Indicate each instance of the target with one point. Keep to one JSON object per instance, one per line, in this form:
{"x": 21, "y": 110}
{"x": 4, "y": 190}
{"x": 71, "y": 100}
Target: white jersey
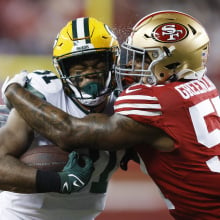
{"x": 83, "y": 205}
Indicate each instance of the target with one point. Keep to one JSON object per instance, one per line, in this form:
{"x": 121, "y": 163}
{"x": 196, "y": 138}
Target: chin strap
{"x": 191, "y": 76}
{"x": 196, "y": 75}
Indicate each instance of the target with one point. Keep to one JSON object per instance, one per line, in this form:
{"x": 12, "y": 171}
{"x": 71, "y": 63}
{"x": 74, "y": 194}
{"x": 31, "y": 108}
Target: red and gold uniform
{"x": 187, "y": 110}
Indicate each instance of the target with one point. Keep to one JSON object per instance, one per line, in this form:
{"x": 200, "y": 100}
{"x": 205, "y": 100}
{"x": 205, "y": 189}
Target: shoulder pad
{"x": 44, "y": 81}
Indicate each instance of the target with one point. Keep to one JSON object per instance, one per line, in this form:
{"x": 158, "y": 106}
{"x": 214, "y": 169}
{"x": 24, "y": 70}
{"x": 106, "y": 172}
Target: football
{"x": 46, "y": 157}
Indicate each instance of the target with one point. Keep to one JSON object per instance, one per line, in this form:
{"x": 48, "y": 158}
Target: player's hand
{"x": 19, "y": 78}
{"x": 76, "y": 174}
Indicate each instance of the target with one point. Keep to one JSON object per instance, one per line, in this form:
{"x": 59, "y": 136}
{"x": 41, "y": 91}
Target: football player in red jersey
{"x": 167, "y": 52}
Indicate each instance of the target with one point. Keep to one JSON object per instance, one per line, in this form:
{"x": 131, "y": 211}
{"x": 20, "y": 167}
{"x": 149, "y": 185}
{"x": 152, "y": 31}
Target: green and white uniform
{"x": 83, "y": 205}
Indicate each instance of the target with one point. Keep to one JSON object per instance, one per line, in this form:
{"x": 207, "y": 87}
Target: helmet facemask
{"x": 136, "y": 65}
{"x": 99, "y": 83}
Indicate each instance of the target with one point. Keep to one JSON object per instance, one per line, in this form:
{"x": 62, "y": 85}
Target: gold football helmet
{"x": 80, "y": 38}
{"x": 163, "y": 46}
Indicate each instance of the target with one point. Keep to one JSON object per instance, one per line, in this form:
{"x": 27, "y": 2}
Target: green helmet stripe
{"x": 74, "y": 30}
{"x": 86, "y": 29}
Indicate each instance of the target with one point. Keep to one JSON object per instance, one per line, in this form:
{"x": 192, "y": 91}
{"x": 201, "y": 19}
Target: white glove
{"x": 20, "y": 78}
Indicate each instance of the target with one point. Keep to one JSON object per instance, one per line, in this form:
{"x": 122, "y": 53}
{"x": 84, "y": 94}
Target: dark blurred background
{"x": 30, "y": 26}
{"x": 28, "y": 29}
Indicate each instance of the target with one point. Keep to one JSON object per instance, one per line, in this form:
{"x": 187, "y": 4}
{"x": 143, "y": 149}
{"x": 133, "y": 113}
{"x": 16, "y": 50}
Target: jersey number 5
{"x": 208, "y": 138}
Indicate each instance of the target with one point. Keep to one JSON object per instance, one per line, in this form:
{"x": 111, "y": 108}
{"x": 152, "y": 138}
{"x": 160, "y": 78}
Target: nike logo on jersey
{"x": 129, "y": 90}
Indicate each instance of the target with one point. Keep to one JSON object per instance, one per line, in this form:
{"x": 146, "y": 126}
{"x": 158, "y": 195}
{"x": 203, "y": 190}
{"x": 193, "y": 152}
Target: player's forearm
{"x": 94, "y": 131}
{"x": 62, "y": 129}
{"x": 15, "y": 176}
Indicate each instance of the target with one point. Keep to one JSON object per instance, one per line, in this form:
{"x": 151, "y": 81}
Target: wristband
{"x": 47, "y": 181}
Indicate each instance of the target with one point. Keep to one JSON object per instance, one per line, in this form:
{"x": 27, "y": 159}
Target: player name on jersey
{"x": 195, "y": 87}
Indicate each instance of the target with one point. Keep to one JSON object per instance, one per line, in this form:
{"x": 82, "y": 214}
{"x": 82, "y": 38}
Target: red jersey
{"x": 188, "y": 111}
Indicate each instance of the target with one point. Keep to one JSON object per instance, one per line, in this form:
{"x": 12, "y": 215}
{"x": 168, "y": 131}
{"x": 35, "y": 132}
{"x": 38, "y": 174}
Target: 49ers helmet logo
{"x": 170, "y": 32}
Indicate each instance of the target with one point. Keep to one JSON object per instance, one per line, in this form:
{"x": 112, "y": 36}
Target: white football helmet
{"x": 162, "y": 47}
{"x": 80, "y": 38}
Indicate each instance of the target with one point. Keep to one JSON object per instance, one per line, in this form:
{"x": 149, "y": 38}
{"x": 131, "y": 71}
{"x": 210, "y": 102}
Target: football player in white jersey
{"x": 84, "y": 54}
{"x": 166, "y": 55}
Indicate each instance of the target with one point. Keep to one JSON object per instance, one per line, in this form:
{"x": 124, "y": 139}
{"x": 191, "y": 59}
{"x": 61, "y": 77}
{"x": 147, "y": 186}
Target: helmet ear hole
{"x": 162, "y": 75}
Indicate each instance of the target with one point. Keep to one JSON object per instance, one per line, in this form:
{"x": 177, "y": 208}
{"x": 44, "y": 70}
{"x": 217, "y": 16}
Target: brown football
{"x": 46, "y": 157}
